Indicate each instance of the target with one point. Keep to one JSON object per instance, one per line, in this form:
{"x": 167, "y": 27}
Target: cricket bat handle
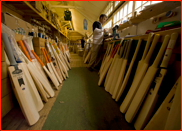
{"x": 44, "y": 55}
{"x": 28, "y": 50}
{"x": 24, "y": 50}
{"x": 8, "y": 49}
{"x": 38, "y": 58}
{"x": 169, "y": 50}
{"x": 147, "y": 45}
{"x": 151, "y": 50}
{"x": 56, "y": 48}
{"x": 161, "y": 51}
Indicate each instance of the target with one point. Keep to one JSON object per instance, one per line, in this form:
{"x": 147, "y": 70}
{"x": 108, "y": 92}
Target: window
{"x": 109, "y": 8}
{"x": 108, "y": 25}
{"x": 140, "y": 5}
{"x": 155, "y": 2}
{"x": 116, "y": 3}
{"x": 126, "y": 10}
{"x": 130, "y": 7}
{"x": 123, "y": 13}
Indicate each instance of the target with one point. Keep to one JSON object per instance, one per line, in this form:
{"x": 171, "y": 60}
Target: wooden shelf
{"x": 29, "y": 10}
{"x": 151, "y": 12}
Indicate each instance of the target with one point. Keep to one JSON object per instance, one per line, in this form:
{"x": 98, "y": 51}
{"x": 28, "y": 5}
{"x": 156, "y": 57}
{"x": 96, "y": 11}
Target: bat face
{"x": 22, "y": 94}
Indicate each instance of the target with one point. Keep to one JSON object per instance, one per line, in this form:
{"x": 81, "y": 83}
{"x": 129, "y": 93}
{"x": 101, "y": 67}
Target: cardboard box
{"x": 2, "y": 52}
{"x": 38, "y": 6}
{"x": 10, "y": 21}
{"x": 18, "y": 37}
{"x": 4, "y": 70}
{"x": 14, "y": 22}
{"x": 6, "y": 104}
{"x": 5, "y": 87}
{"x": 38, "y": 50}
{"x": 42, "y": 58}
{"x": 38, "y": 42}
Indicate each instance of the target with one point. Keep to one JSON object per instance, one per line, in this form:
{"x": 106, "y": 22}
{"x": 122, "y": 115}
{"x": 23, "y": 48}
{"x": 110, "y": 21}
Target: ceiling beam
{"x": 63, "y": 6}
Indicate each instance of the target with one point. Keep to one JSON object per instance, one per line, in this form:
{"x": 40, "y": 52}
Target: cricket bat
{"x": 60, "y": 53}
{"x": 117, "y": 69}
{"x": 23, "y": 58}
{"x": 103, "y": 73}
{"x": 33, "y": 90}
{"x": 136, "y": 82}
{"x": 36, "y": 73}
{"x": 174, "y": 118}
{"x": 29, "y": 47}
{"x": 65, "y": 59}
{"x": 21, "y": 89}
{"x": 125, "y": 81}
{"x": 107, "y": 55}
{"x": 113, "y": 63}
{"x": 109, "y": 81}
{"x": 145, "y": 84}
{"x": 12, "y": 39}
{"x": 122, "y": 72}
{"x": 53, "y": 68}
{"x": 58, "y": 61}
{"x": 159, "y": 119}
{"x": 53, "y": 59}
{"x": 61, "y": 57}
{"x": 150, "y": 36}
{"x": 87, "y": 57}
{"x": 50, "y": 70}
{"x": 56, "y": 84}
{"x": 152, "y": 97}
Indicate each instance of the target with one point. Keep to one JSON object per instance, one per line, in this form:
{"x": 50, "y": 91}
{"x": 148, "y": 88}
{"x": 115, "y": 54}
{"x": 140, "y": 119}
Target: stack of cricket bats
{"x": 142, "y": 96}
{"x": 29, "y": 75}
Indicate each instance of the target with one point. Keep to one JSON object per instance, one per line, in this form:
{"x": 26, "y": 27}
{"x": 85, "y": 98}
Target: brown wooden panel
{"x": 5, "y": 87}
{"x": 4, "y": 70}
{"x": 6, "y": 104}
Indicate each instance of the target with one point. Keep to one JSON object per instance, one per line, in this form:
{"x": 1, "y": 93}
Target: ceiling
{"x": 80, "y": 10}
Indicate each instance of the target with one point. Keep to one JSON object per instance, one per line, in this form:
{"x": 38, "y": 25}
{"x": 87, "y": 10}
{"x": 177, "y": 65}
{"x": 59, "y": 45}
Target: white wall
{"x": 142, "y": 27}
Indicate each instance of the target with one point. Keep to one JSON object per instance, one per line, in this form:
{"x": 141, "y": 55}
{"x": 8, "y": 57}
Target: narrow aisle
{"x": 82, "y": 105}
{"x": 76, "y": 60}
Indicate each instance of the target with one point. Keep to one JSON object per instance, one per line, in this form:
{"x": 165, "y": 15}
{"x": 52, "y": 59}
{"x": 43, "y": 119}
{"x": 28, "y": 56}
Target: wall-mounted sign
{"x": 85, "y": 24}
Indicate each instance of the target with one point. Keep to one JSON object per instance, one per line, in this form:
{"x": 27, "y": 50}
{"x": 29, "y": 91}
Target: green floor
{"x": 83, "y": 105}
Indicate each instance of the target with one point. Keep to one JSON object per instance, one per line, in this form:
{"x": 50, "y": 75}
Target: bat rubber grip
{"x": 47, "y": 55}
{"x": 37, "y": 58}
{"x": 44, "y": 55}
{"x": 8, "y": 49}
{"x": 62, "y": 48}
{"x": 28, "y": 50}
{"x": 55, "y": 47}
{"x": 150, "y": 36}
{"x": 24, "y": 50}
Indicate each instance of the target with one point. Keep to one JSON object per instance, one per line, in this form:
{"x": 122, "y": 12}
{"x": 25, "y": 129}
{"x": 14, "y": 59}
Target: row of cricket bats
{"x": 29, "y": 76}
{"x": 142, "y": 95}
